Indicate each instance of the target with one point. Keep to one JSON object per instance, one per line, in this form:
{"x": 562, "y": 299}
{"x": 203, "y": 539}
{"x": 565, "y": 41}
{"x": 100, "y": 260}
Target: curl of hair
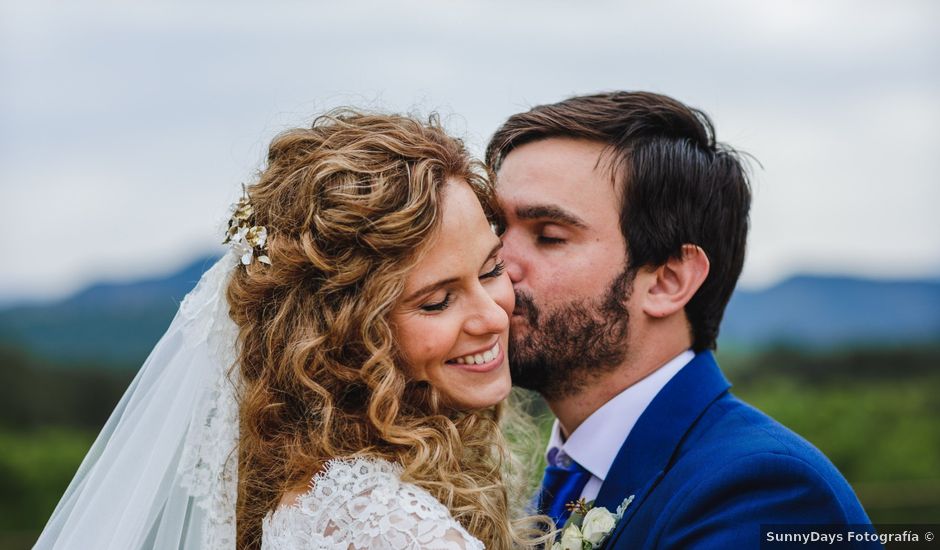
{"x": 350, "y": 204}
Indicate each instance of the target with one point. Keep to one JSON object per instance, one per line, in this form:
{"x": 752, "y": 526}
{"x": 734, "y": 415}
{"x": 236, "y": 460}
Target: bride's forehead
{"x": 461, "y": 211}
{"x": 462, "y": 242}
{"x": 456, "y": 245}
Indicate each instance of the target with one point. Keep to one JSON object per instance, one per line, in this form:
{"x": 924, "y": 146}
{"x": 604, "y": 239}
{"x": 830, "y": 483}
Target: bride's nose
{"x": 485, "y": 315}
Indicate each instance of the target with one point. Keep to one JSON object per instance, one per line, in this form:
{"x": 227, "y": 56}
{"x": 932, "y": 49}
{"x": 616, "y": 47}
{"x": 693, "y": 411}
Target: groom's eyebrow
{"x": 550, "y": 213}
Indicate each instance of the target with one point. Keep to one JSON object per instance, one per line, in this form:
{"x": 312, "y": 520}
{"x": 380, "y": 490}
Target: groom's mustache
{"x": 525, "y": 306}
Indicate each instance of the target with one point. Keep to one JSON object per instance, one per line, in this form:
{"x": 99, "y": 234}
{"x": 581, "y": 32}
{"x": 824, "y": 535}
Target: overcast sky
{"x": 126, "y": 131}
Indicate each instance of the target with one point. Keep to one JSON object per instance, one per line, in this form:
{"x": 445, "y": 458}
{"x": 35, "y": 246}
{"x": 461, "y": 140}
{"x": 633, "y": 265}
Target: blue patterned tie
{"x": 560, "y": 485}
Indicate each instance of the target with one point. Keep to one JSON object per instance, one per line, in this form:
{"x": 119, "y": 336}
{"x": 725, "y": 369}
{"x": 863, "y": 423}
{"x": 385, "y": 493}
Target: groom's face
{"x": 566, "y": 258}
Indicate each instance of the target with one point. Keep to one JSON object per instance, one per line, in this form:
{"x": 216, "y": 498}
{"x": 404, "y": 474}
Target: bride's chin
{"x": 470, "y": 398}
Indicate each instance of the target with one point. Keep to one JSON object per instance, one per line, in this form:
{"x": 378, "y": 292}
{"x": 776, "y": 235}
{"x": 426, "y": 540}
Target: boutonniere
{"x": 588, "y": 527}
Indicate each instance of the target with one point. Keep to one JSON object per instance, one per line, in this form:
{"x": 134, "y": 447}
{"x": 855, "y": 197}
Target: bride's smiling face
{"x": 452, "y": 322}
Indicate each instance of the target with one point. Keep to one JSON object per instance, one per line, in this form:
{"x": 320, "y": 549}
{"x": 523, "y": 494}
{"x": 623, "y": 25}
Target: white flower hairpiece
{"x": 247, "y": 239}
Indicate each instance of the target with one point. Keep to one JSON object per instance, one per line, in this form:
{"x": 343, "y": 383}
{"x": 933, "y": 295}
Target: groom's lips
{"x": 525, "y": 308}
{"x": 526, "y": 315}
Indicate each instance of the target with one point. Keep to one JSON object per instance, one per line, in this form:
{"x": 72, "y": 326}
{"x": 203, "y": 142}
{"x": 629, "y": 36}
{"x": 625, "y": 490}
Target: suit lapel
{"x": 648, "y": 450}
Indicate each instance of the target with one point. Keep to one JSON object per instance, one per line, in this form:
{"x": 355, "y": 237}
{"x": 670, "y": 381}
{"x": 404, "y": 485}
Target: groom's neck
{"x": 572, "y": 410}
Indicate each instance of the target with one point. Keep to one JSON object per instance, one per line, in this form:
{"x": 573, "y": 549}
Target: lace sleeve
{"x": 363, "y": 504}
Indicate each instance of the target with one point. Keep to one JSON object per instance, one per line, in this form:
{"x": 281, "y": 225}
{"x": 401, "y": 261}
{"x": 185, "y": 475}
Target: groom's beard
{"x": 564, "y": 350}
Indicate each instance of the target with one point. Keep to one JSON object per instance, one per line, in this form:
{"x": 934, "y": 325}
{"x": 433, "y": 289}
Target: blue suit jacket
{"x": 706, "y": 470}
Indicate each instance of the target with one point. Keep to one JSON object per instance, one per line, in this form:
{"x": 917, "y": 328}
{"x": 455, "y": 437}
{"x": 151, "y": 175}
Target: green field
{"x": 873, "y": 412}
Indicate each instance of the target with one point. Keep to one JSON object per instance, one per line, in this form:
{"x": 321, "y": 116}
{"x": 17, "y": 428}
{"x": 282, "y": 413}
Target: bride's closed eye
{"x": 441, "y": 305}
{"x": 496, "y": 271}
{"x": 438, "y": 306}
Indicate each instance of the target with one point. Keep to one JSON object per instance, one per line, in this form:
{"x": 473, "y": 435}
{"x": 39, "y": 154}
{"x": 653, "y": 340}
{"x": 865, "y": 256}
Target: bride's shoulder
{"x": 342, "y": 478}
{"x": 363, "y": 503}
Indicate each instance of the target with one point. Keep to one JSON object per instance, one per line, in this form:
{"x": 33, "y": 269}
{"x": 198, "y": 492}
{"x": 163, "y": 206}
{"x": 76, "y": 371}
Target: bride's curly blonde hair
{"x": 350, "y": 205}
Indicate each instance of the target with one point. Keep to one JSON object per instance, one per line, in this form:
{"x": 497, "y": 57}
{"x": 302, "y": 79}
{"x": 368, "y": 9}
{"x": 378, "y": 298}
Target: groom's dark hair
{"x": 679, "y": 185}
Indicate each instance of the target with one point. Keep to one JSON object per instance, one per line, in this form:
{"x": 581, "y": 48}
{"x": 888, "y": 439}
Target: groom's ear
{"x": 672, "y": 285}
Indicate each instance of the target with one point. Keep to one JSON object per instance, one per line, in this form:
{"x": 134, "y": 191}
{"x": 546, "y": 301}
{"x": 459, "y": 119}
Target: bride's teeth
{"x": 478, "y": 358}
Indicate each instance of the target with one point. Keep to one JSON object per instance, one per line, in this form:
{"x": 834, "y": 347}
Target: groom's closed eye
{"x": 551, "y": 234}
{"x": 543, "y": 239}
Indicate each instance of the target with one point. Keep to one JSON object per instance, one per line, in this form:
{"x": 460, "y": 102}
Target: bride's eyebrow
{"x": 428, "y": 288}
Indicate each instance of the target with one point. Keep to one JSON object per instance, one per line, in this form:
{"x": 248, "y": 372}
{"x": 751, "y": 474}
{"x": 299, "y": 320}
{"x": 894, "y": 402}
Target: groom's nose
{"x": 512, "y": 259}
{"x": 514, "y": 269}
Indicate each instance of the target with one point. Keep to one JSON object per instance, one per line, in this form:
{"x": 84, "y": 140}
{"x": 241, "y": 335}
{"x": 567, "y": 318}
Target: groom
{"x": 626, "y": 230}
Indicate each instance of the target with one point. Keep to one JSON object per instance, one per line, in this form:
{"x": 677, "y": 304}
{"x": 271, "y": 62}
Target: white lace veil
{"x": 162, "y": 473}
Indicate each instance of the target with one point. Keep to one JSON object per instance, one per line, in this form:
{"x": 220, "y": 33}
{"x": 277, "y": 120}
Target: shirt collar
{"x": 596, "y": 442}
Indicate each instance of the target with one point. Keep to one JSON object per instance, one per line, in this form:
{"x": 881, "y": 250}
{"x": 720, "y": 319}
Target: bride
{"x": 334, "y": 381}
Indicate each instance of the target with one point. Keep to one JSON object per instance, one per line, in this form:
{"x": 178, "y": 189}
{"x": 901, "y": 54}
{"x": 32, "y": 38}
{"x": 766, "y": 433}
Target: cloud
{"x": 127, "y": 129}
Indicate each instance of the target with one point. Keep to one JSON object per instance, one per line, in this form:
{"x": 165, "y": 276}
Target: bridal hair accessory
{"x": 247, "y": 239}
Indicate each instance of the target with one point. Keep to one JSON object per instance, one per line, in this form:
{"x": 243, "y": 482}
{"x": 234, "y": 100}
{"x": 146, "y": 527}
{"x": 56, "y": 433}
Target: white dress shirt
{"x": 596, "y": 442}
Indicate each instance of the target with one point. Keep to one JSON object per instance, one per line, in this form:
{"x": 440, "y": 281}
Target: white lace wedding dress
{"x": 363, "y": 504}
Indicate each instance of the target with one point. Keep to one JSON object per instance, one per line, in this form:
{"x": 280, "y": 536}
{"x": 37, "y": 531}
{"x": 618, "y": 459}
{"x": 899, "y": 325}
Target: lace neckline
{"x": 355, "y": 467}
{"x": 362, "y": 503}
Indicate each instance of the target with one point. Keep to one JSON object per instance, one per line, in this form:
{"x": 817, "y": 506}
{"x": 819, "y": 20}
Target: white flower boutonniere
{"x": 588, "y": 527}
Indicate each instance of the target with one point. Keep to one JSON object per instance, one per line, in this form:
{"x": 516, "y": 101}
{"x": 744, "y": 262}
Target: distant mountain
{"x": 116, "y": 324}
{"x": 142, "y": 294}
{"x": 828, "y": 311}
